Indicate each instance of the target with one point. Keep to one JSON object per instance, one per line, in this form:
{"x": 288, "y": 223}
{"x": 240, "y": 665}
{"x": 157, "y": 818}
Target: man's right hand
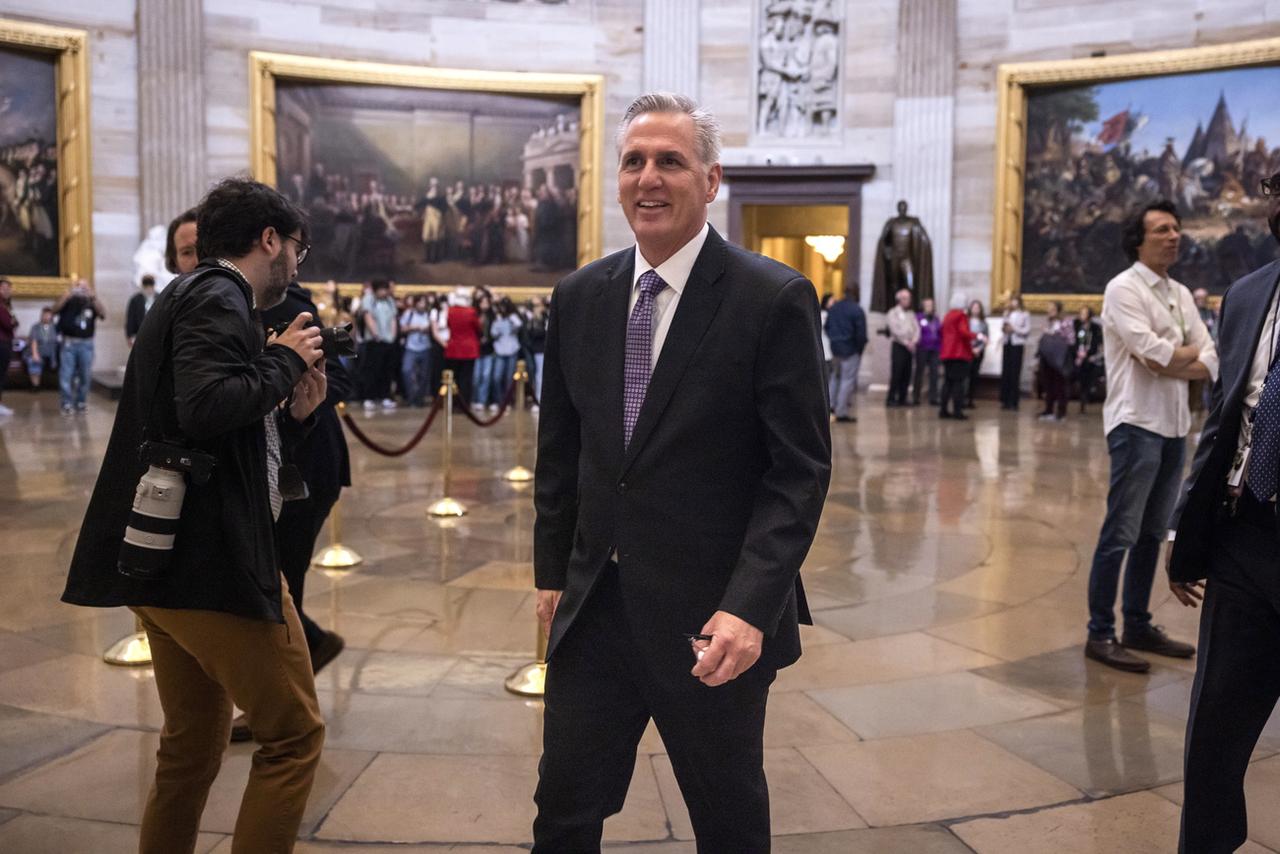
{"x": 547, "y": 602}
{"x": 301, "y": 339}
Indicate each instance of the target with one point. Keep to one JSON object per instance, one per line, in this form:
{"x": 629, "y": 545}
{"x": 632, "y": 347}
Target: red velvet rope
{"x": 395, "y": 452}
{"x": 487, "y": 422}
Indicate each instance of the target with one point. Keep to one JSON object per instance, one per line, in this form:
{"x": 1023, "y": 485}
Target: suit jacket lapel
{"x": 694, "y": 313}
{"x": 612, "y": 295}
{"x": 1257, "y": 306}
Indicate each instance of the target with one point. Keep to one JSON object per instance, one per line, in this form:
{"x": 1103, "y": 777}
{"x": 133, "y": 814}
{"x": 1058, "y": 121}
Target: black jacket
{"x": 134, "y": 314}
{"x": 715, "y": 502}
{"x": 322, "y": 456}
{"x": 216, "y": 385}
{"x": 1239, "y": 335}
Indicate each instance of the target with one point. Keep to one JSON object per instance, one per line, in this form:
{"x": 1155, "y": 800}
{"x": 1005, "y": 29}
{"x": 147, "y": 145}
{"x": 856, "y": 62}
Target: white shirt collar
{"x": 676, "y": 269}
{"x": 1148, "y": 275}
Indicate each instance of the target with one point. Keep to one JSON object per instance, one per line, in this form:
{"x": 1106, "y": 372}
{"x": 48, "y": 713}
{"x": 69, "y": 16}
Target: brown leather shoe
{"x": 1110, "y": 653}
{"x": 1154, "y": 640}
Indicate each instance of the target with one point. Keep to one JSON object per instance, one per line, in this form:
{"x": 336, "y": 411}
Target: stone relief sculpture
{"x": 798, "y": 69}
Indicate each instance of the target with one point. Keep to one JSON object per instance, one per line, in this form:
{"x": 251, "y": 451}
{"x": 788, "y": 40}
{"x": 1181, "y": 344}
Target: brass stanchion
{"x": 447, "y": 507}
{"x": 336, "y": 555}
{"x": 531, "y": 680}
{"x": 519, "y": 474}
{"x": 131, "y": 650}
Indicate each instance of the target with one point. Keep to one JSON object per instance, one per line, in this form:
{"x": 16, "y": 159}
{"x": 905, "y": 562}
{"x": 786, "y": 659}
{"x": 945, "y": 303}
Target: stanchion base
{"x": 336, "y": 556}
{"x": 528, "y": 681}
{"x": 131, "y": 651}
{"x": 519, "y": 474}
{"x": 447, "y": 508}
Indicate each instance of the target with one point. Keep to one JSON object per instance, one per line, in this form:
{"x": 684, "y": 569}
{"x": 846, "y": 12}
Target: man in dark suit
{"x": 1225, "y": 530}
{"x": 684, "y": 454}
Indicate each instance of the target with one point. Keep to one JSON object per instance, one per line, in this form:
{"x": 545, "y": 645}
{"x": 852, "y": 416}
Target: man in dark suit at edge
{"x": 684, "y": 454}
{"x": 1225, "y": 530}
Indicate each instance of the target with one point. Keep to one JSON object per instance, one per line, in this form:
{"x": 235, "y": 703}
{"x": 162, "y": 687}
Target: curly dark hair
{"x": 234, "y": 214}
{"x": 170, "y": 249}
{"x": 1135, "y": 227}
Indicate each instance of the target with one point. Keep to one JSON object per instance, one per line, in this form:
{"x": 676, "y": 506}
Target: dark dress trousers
{"x": 215, "y": 386}
{"x": 1236, "y": 546}
{"x": 323, "y": 461}
{"x": 712, "y": 506}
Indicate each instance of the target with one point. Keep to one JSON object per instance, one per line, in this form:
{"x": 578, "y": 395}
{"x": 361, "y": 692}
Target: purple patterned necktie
{"x": 639, "y": 361}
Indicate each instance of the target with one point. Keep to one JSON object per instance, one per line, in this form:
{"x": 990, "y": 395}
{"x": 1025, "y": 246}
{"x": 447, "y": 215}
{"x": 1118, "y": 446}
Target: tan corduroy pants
{"x": 205, "y": 661}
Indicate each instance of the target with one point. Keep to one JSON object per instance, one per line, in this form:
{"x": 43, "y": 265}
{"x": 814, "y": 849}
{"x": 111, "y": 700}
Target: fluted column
{"x": 924, "y": 124}
{"x": 671, "y": 38}
{"x": 171, "y": 138}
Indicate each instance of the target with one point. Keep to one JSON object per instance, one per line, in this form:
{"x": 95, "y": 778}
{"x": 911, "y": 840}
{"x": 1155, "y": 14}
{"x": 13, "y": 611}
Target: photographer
{"x": 78, "y": 312}
{"x": 221, "y": 623}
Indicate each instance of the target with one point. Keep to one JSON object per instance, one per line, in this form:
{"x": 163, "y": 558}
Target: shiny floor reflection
{"x": 942, "y": 704}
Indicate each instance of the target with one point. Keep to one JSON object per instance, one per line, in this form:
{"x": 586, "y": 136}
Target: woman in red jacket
{"x": 463, "y": 349}
{"x": 957, "y": 353}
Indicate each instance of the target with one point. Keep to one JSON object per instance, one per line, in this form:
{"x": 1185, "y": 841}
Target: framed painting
{"x": 45, "y": 205}
{"x": 1083, "y": 143}
{"x": 433, "y": 178}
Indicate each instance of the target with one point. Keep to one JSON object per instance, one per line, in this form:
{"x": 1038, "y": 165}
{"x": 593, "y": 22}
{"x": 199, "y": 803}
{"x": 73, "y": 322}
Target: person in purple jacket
{"x": 927, "y": 351}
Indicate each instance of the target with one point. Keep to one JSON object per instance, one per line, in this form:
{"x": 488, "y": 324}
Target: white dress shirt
{"x": 903, "y": 328}
{"x": 1147, "y": 316}
{"x": 675, "y": 272}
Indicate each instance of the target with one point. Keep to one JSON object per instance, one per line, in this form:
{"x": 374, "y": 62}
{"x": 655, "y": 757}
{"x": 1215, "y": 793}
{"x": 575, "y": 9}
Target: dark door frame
{"x": 802, "y": 185}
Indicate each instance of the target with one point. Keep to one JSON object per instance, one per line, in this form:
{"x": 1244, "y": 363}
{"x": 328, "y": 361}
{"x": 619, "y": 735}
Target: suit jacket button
{"x": 622, "y": 487}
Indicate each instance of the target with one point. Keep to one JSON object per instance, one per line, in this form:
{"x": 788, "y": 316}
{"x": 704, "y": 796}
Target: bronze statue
{"x": 904, "y": 259}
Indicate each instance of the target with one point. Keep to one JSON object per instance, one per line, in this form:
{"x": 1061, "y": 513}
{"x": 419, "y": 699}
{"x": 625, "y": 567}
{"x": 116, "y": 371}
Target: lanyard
{"x": 1173, "y": 301}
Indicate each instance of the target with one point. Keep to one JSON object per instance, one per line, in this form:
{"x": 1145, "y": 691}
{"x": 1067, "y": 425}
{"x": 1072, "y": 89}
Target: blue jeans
{"x": 504, "y": 367}
{"x": 537, "y": 376}
{"x": 482, "y": 380}
{"x": 75, "y": 370}
{"x": 1146, "y": 471}
{"x": 415, "y": 373}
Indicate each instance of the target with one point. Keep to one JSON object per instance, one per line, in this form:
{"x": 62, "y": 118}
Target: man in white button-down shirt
{"x": 1155, "y": 343}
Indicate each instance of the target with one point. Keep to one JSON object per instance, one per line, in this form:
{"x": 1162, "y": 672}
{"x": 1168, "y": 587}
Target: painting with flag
{"x": 1096, "y": 151}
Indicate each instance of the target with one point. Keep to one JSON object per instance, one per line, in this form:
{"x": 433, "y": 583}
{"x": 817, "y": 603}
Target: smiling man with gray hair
{"x": 684, "y": 454}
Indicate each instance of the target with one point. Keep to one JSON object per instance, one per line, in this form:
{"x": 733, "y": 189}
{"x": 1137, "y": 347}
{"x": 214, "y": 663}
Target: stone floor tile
{"x": 1174, "y": 701}
{"x": 877, "y": 660}
{"x": 46, "y": 834}
{"x": 799, "y": 798}
{"x": 948, "y": 701}
{"x": 84, "y": 687}
{"x": 108, "y": 780}
{"x": 1138, "y": 823}
{"x": 934, "y": 777}
{"x": 1101, "y": 750}
{"x": 383, "y": 723}
{"x": 1018, "y": 632}
{"x": 394, "y": 673}
{"x": 1013, "y": 581}
{"x": 1067, "y": 678}
{"x": 20, "y": 650}
{"x": 468, "y": 799}
{"x": 29, "y": 738}
{"x": 794, "y": 719}
{"x": 920, "y": 839}
{"x": 911, "y": 612}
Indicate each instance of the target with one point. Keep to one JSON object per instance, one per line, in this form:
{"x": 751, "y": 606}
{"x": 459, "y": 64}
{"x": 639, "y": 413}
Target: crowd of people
{"x": 406, "y": 342}
{"x": 59, "y": 344}
{"x": 356, "y": 231}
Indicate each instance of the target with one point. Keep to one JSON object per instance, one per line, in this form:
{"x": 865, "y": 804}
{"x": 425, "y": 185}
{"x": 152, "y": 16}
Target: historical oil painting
{"x": 28, "y": 163}
{"x": 1094, "y": 152}
{"x": 432, "y": 186}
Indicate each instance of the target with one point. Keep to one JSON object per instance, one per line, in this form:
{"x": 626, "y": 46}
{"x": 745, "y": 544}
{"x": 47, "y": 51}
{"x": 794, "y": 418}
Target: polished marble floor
{"x": 942, "y": 704}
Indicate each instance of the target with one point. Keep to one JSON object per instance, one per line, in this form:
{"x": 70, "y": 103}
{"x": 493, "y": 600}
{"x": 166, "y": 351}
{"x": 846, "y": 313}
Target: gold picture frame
{"x": 1016, "y": 80}
{"x": 265, "y": 68}
{"x": 75, "y": 208}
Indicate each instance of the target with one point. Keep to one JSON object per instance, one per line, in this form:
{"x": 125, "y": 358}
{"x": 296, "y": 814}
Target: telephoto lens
{"x": 153, "y": 524}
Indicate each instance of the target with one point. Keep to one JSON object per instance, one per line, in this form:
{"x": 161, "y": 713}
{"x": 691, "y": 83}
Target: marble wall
{"x": 607, "y": 37}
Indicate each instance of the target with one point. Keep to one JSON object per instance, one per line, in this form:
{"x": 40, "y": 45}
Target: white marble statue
{"x": 149, "y": 259}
